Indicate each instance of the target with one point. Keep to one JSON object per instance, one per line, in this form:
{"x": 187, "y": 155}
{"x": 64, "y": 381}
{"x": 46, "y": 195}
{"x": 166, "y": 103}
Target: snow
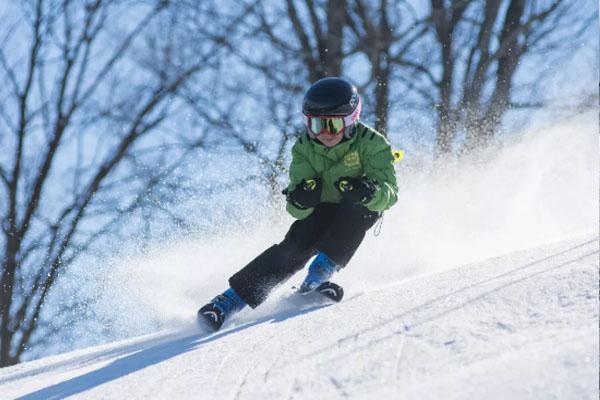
{"x": 483, "y": 284}
{"x": 522, "y": 325}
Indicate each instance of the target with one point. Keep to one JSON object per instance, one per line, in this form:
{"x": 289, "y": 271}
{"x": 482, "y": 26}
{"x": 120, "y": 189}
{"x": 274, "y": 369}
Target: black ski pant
{"x": 335, "y": 229}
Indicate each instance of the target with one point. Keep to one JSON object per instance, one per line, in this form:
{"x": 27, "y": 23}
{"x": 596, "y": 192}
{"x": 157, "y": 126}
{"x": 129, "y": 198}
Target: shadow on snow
{"x": 149, "y": 356}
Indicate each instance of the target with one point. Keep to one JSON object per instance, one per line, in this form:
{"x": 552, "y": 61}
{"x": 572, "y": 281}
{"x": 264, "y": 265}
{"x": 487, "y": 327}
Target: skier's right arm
{"x": 300, "y": 169}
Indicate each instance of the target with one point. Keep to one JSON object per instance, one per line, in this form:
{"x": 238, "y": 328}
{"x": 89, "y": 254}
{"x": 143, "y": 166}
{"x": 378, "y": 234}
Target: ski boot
{"x": 319, "y": 272}
{"x": 214, "y": 313}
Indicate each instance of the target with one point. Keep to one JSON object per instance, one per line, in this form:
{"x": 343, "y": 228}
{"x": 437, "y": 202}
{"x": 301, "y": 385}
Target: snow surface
{"x": 520, "y": 326}
{"x": 482, "y": 285}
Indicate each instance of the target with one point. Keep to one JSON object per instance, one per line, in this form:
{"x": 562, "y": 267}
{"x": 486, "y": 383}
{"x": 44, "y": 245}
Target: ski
{"x": 330, "y": 290}
{"x": 210, "y": 317}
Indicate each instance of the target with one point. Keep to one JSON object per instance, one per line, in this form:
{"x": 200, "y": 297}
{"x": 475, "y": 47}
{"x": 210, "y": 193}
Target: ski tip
{"x": 209, "y": 320}
{"x": 332, "y": 291}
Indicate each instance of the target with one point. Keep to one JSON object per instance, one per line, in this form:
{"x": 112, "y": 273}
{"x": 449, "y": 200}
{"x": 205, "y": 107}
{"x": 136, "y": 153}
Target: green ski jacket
{"x": 366, "y": 154}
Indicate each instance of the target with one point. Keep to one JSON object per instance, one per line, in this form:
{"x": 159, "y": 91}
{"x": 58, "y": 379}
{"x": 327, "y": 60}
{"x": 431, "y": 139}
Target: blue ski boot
{"x": 319, "y": 272}
{"x": 214, "y": 313}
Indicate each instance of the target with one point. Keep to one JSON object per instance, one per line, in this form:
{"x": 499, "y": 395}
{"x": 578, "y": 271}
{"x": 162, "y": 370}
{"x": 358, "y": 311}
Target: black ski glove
{"x": 306, "y": 194}
{"x": 355, "y": 190}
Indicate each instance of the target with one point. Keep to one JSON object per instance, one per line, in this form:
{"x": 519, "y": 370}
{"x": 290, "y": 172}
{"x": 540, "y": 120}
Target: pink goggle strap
{"x": 352, "y": 118}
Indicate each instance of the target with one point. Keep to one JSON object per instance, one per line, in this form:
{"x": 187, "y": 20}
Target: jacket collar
{"x": 335, "y": 152}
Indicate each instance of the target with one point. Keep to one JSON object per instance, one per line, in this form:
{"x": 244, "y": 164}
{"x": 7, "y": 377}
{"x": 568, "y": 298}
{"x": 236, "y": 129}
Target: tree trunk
{"x": 382, "y": 71}
{"x": 336, "y": 19}
{"x": 484, "y": 129}
{"x": 446, "y": 129}
{"x": 9, "y": 267}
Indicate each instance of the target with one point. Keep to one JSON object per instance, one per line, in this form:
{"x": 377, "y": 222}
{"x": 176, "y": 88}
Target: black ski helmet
{"x": 333, "y": 97}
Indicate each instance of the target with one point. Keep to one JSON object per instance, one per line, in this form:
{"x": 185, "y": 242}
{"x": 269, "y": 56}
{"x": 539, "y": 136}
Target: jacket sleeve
{"x": 378, "y": 165}
{"x": 300, "y": 169}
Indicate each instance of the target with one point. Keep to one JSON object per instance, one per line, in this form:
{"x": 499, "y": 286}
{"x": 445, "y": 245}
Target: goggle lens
{"x": 332, "y": 125}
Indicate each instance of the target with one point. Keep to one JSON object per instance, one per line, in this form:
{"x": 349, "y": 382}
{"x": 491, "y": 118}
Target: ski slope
{"x": 482, "y": 285}
{"x": 522, "y": 326}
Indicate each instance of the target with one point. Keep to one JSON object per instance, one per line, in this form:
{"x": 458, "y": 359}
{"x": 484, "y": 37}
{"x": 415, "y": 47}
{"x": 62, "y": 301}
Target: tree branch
{"x": 302, "y": 37}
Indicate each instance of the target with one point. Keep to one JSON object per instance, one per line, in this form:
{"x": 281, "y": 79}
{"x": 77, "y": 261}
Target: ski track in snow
{"x": 522, "y": 325}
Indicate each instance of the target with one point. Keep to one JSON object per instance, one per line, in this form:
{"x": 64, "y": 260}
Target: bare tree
{"x": 458, "y": 58}
{"x": 308, "y": 40}
{"x": 317, "y": 31}
{"x": 261, "y": 92}
{"x": 309, "y": 47}
{"x": 465, "y": 67}
{"x": 82, "y": 107}
{"x": 383, "y": 31}
{"x": 284, "y": 46}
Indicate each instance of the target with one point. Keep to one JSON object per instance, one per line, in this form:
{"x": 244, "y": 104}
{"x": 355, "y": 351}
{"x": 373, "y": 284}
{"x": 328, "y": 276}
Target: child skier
{"x": 341, "y": 180}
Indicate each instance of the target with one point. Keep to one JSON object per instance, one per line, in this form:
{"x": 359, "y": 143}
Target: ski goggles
{"x": 333, "y": 125}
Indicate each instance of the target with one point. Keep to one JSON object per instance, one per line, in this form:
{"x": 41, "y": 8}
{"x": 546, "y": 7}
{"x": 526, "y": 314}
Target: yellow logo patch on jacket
{"x": 352, "y": 160}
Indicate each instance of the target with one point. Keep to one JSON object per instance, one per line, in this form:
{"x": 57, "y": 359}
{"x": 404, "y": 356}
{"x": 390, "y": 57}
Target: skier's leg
{"x": 346, "y": 232}
{"x": 279, "y": 262}
{"x": 338, "y": 244}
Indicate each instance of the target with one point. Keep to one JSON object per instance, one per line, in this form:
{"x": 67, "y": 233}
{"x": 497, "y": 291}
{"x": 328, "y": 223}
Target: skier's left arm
{"x": 300, "y": 169}
{"x": 378, "y": 166}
